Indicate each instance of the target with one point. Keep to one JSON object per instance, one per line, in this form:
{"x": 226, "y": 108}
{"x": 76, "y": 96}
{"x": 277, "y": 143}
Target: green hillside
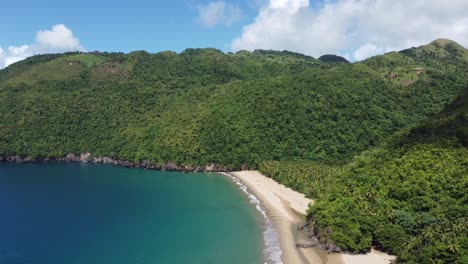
{"x": 407, "y": 197}
{"x": 203, "y": 106}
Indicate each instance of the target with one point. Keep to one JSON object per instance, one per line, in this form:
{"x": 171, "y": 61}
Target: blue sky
{"x": 120, "y": 26}
{"x": 356, "y": 29}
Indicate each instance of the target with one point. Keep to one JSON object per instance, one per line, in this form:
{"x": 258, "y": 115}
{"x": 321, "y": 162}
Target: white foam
{"x": 272, "y": 248}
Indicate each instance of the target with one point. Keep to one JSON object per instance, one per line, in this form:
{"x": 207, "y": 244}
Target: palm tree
{"x": 453, "y": 248}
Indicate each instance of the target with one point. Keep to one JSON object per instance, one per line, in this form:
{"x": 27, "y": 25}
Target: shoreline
{"x": 284, "y": 208}
{"x": 287, "y": 208}
{"x": 86, "y": 157}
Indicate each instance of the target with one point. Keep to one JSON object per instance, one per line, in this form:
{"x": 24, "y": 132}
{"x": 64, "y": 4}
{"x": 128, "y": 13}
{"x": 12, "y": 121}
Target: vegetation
{"x": 333, "y": 58}
{"x": 203, "y": 106}
{"x": 310, "y": 178}
{"x": 377, "y": 143}
{"x": 407, "y": 197}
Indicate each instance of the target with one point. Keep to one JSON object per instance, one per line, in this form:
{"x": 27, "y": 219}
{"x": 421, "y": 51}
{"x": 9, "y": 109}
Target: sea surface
{"x": 56, "y": 213}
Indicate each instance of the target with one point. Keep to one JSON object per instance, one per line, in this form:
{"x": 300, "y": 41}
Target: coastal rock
{"x": 85, "y": 157}
{"x": 146, "y": 164}
{"x": 97, "y": 160}
{"x": 306, "y": 244}
{"x": 188, "y": 168}
{"x": 127, "y": 164}
{"x": 170, "y": 166}
{"x": 333, "y": 248}
{"x": 71, "y": 157}
{"x": 107, "y": 160}
{"x": 213, "y": 168}
{"x": 16, "y": 159}
{"x": 210, "y": 167}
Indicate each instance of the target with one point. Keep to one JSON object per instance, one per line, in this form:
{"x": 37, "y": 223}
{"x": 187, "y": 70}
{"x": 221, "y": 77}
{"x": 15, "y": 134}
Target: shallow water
{"x": 87, "y": 213}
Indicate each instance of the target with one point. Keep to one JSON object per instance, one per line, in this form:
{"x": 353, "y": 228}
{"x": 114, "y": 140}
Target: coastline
{"x": 284, "y": 207}
{"x": 287, "y": 209}
{"x": 86, "y": 157}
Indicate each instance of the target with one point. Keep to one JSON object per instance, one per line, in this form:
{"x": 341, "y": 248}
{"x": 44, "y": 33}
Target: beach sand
{"x": 287, "y": 208}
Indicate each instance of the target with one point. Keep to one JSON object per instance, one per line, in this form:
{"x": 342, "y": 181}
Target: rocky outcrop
{"x": 71, "y": 157}
{"x": 306, "y": 244}
{"x": 86, "y": 157}
{"x": 319, "y": 239}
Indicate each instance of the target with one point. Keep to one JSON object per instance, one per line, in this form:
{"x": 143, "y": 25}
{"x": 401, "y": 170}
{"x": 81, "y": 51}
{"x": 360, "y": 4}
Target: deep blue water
{"x": 86, "y": 213}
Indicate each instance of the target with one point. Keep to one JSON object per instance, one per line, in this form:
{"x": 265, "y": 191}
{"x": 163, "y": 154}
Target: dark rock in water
{"x": 1, "y": 158}
{"x": 333, "y": 58}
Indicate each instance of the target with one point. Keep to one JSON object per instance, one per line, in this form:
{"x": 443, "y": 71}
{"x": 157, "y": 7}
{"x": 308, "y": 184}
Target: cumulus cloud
{"x": 57, "y": 39}
{"x": 359, "y": 28}
{"x": 216, "y": 13}
{"x": 60, "y": 37}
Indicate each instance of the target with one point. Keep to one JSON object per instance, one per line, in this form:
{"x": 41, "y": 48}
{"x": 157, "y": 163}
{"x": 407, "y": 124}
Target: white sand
{"x": 373, "y": 257}
{"x": 285, "y": 207}
{"x": 279, "y": 203}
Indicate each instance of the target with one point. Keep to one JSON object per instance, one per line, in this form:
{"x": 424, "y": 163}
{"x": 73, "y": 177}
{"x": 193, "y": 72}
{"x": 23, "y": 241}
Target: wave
{"x": 271, "y": 241}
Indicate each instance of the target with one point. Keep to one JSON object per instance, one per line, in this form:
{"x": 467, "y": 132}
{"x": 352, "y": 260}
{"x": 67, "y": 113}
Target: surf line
{"x": 272, "y": 249}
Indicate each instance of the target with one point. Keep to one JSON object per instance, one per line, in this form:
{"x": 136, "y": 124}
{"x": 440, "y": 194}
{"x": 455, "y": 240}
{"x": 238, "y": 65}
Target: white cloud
{"x": 215, "y": 13}
{"x": 359, "y": 28}
{"x": 366, "y": 51}
{"x": 58, "y": 39}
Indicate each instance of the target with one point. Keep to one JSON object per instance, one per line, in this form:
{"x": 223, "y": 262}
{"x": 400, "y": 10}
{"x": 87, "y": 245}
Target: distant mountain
{"x": 203, "y": 106}
{"x": 332, "y": 58}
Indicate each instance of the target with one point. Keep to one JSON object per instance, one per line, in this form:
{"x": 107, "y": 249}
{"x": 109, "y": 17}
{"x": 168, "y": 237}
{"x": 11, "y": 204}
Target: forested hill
{"x": 407, "y": 197}
{"x": 203, "y": 106}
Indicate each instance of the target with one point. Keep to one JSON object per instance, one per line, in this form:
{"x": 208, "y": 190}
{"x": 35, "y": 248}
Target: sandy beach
{"x": 287, "y": 208}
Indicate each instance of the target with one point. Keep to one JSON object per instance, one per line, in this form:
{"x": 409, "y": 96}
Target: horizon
{"x": 353, "y": 29}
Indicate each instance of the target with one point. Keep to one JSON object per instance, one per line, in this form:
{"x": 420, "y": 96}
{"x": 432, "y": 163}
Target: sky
{"x": 355, "y": 29}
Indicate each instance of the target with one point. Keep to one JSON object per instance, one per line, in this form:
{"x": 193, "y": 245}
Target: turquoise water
{"x": 86, "y": 213}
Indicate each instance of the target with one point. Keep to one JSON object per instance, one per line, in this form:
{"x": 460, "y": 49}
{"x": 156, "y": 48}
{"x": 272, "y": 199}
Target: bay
{"x": 54, "y": 213}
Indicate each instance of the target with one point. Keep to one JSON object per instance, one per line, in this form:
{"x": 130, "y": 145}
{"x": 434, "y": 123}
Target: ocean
{"x": 56, "y": 213}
